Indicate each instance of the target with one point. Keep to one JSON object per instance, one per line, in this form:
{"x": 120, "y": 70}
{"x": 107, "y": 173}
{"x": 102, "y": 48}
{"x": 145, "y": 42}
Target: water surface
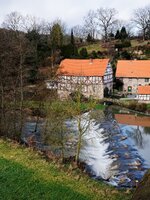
{"x": 115, "y": 146}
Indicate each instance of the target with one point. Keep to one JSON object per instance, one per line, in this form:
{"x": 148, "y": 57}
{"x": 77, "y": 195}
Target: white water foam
{"x": 93, "y": 150}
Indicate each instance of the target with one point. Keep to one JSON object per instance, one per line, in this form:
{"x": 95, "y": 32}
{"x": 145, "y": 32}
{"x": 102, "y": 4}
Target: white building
{"x": 94, "y": 76}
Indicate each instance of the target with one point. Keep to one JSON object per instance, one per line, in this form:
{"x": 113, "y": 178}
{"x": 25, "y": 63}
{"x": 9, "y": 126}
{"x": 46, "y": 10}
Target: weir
{"x": 112, "y": 149}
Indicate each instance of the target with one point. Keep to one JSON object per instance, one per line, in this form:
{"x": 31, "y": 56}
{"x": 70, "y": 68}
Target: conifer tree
{"x": 123, "y": 33}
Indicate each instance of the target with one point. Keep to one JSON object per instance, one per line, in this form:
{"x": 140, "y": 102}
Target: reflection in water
{"x": 115, "y": 146}
{"x": 138, "y": 137}
{"x": 138, "y": 131}
{"x": 135, "y": 132}
{"x": 127, "y": 148}
{"x": 147, "y": 130}
{"x": 133, "y": 120}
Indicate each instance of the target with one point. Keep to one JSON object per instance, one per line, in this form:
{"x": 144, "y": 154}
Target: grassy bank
{"x": 24, "y": 174}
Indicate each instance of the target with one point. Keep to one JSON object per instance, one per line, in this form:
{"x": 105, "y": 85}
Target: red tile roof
{"x": 82, "y": 67}
{"x": 133, "y": 120}
{"x": 143, "y": 89}
{"x": 133, "y": 68}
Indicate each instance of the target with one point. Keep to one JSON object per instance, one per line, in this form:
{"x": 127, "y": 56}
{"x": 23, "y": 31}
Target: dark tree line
{"x": 24, "y": 48}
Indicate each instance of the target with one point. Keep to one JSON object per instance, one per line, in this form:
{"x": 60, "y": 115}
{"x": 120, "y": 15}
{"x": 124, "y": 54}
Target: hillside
{"x": 138, "y": 48}
{"x": 24, "y": 174}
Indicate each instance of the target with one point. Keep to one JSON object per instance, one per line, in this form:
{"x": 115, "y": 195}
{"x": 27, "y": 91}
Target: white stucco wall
{"x": 91, "y": 86}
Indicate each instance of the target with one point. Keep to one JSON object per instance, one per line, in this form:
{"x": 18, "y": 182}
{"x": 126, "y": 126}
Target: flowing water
{"x": 115, "y": 147}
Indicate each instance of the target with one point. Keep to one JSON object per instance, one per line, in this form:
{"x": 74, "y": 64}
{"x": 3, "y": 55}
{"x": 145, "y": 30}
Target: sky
{"x": 69, "y": 11}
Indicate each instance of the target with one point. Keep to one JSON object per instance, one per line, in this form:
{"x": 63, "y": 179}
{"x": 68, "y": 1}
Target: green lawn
{"x": 93, "y": 47}
{"x": 24, "y": 175}
{"x": 98, "y": 46}
{"x": 136, "y": 43}
{"x": 86, "y": 106}
{"x": 148, "y": 106}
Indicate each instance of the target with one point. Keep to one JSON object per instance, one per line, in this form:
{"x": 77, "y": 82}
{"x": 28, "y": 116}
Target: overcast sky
{"x": 70, "y": 11}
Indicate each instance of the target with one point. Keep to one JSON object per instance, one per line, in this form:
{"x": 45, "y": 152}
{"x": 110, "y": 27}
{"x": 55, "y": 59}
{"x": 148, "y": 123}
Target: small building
{"x": 133, "y": 73}
{"x": 93, "y": 76}
{"x": 143, "y": 93}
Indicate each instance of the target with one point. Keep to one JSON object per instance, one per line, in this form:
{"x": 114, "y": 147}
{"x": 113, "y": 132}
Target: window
{"x": 146, "y": 80}
{"x": 129, "y": 89}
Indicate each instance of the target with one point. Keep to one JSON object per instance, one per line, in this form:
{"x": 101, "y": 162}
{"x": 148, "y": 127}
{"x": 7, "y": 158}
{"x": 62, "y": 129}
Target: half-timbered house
{"x": 93, "y": 77}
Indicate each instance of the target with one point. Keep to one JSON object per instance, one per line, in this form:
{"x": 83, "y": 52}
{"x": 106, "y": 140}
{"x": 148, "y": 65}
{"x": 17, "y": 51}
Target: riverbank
{"x": 142, "y": 191}
{"x": 131, "y": 105}
{"x": 26, "y": 175}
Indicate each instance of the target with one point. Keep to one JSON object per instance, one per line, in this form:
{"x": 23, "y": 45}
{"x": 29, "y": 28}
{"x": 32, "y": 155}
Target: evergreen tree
{"x": 72, "y": 38}
{"x": 70, "y": 50}
{"x": 117, "y": 36}
{"x": 56, "y": 36}
{"x": 123, "y": 33}
{"x": 56, "y": 42}
{"x": 83, "y": 53}
{"x": 89, "y": 38}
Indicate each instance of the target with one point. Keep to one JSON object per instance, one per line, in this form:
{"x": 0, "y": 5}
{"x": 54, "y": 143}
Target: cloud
{"x": 70, "y": 11}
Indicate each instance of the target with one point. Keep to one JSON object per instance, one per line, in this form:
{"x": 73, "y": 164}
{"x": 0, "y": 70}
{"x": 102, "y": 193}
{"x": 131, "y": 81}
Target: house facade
{"x": 133, "y": 73}
{"x": 93, "y": 77}
{"x": 143, "y": 93}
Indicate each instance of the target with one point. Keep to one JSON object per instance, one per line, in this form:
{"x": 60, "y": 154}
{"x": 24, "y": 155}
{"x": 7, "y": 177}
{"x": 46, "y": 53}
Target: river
{"x": 115, "y": 146}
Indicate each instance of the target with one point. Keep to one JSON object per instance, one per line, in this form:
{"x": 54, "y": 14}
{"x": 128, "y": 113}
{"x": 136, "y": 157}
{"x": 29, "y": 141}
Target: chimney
{"x": 91, "y": 61}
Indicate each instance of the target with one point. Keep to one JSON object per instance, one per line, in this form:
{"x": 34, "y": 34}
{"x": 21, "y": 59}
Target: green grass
{"x": 98, "y": 46}
{"x": 93, "y": 47}
{"x": 85, "y": 106}
{"x": 135, "y": 43}
{"x": 24, "y": 174}
{"x": 148, "y": 106}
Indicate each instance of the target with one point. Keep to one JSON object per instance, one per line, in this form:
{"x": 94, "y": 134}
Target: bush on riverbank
{"x": 142, "y": 192}
{"x": 141, "y": 107}
{"x": 132, "y": 105}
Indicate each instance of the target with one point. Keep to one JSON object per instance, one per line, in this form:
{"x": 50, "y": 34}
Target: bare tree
{"x": 14, "y": 23}
{"x": 122, "y": 23}
{"x": 90, "y": 24}
{"x": 106, "y": 18}
{"x": 79, "y": 31}
{"x": 141, "y": 18}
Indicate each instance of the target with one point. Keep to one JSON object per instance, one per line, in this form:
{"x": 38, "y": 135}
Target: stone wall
{"x": 62, "y": 94}
{"x": 134, "y": 83}
{"x": 96, "y": 91}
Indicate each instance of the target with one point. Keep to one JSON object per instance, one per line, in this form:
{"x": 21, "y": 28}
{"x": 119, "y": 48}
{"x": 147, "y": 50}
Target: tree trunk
{"x": 79, "y": 140}
{"x": 2, "y": 96}
{"x": 2, "y": 108}
{"x": 14, "y": 110}
{"x": 21, "y": 88}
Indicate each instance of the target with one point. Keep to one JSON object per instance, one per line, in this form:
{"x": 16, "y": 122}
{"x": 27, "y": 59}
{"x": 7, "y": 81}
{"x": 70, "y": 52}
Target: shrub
{"x": 132, "y": 105}
{"x": 123, "y": 44}
{"x": 83, "y": 53}
{"x": 142, "y": 107}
